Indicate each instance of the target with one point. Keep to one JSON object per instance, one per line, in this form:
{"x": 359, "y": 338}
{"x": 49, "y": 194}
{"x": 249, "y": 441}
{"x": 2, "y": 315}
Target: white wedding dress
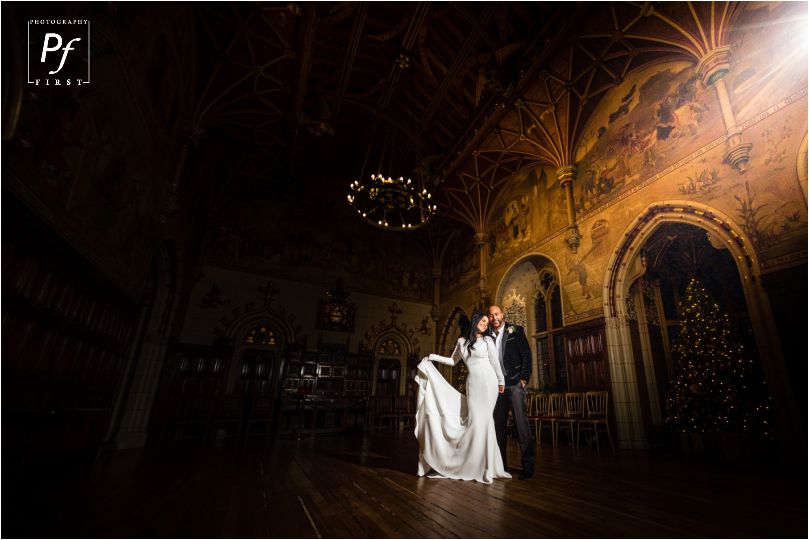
{"x": 455, "y": 431}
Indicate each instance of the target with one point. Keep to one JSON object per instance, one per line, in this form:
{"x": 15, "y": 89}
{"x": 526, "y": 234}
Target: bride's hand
{"x": 425, "y": 359}
{"x": 501, "y": 388}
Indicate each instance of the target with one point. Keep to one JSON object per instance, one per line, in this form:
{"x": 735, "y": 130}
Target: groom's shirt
{"x": 499, "y": 343}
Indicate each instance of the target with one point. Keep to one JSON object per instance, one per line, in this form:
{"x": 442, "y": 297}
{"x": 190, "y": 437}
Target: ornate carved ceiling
{"x": 545, "y": 119}
{"x": 300, "y": 98}
{"x": 296, "y": 100}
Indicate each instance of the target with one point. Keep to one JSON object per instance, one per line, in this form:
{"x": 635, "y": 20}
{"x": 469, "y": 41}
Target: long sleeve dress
{"x": 456, "y": 432}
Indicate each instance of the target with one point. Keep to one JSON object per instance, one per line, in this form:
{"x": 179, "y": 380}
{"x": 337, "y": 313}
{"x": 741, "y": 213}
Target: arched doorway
{"x": 258, "y": 361}
{"x": 672, "y": 255}
{"x": 388, "y": 358}
{"x": 626, "y": 266}
{"x": 530, "y": 295}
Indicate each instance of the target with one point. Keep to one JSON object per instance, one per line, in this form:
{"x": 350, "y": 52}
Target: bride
{"x": 456, "y": 432}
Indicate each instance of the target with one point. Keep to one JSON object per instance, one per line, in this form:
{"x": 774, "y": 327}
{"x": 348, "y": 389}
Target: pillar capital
{"x": 480, "y": 239}
{"x": 714, "y": 65}
{"x": 566, "y": 174}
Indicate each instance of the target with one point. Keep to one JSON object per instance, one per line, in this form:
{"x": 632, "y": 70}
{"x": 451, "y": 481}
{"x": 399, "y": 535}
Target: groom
{"x": 515, "y": 359}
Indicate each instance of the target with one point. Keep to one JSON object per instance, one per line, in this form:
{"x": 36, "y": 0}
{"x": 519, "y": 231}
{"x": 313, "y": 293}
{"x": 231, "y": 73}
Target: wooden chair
{"x": 596, "y": 415}
{"x": 574, "y": 412}
{"x": 229, "y": 417}
{"x": 556, "y": 410}
{"x": 262, "y": 415}
{"x": 540, "y": 414}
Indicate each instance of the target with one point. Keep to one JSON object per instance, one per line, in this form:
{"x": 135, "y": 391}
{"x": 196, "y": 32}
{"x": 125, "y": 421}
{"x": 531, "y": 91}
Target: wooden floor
{"x": 365, "y": 486}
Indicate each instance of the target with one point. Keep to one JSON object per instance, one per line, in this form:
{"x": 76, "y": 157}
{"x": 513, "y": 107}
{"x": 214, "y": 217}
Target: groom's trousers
{"x": 513, "y": 398}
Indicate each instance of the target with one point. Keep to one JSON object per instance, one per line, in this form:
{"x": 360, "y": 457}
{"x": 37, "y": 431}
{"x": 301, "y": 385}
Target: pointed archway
{"x": 625, "y": 266}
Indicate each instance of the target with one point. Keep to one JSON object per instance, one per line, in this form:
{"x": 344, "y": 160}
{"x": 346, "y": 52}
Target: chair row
{"x": 588, "y": 411}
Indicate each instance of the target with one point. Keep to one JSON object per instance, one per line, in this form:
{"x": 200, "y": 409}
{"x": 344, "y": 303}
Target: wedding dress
{"x": 455, "y": 431}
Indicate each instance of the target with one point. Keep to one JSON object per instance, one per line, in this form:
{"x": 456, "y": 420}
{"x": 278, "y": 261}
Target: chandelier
{"x": 391, "y": 203}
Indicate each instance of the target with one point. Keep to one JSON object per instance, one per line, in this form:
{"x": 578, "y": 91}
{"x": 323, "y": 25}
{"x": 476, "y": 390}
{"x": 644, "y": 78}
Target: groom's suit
{"x": 515, "y": 359}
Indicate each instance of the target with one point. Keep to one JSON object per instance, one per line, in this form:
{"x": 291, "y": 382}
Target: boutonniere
{"x": 510, "y": 329}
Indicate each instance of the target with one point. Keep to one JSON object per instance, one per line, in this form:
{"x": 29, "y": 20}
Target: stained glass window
{"x": 260, "y": 335}
{"x": 390, "y": 347}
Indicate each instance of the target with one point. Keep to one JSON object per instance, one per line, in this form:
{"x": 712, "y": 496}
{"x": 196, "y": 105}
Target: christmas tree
{"x": 716, "y": 386}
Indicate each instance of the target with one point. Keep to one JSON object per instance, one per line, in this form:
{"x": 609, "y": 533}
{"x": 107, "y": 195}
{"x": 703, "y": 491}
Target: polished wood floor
{"x": 348, "y": 486}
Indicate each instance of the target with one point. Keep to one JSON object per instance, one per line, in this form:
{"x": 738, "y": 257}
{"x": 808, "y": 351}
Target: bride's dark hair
{"x": 473, "y": 330}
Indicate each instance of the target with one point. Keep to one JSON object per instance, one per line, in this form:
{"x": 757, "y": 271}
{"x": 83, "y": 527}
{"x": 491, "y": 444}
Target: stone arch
{"x": 621, "y": 270}
{"x": 531, "y": 257}
{"x": 237, "y": 328}
{"x": 391, "y": 329}
{"x": 540, "y": 261}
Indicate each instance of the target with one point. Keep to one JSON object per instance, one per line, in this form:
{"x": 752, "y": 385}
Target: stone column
{"x": 712, "y": 68}
{"x": 565, "y": 176}
{"x": 191, "y": 138}
{"x": 646, "y": 354}
{"x": 483, "y": 252}
{"x": 625, "y": 397}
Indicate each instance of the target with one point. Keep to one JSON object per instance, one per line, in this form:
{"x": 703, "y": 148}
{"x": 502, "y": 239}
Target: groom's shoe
{"x": 526, "y": 474}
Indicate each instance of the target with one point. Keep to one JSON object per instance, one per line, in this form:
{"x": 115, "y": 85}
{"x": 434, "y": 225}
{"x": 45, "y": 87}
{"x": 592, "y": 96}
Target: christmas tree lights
{"x": 717, "y": 386}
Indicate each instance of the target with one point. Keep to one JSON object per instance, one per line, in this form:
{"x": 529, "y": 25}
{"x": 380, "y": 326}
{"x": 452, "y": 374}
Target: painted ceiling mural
{"x": 526, "y": 209}
{"x": 659, "y": 113}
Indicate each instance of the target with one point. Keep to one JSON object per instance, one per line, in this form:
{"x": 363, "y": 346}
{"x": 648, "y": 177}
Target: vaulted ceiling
{"x": 297, "y": 100}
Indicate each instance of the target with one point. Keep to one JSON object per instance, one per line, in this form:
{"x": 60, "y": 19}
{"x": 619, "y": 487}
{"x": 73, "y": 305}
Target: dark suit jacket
{"x": 516, "y": 355}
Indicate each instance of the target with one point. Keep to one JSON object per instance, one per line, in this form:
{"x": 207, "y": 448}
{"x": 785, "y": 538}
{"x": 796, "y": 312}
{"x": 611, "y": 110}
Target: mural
{"x": 658, "y": 113}
{"x": 581, "y": 272}
{"x": 773, "y": 217}
{"x": 529, "y": 207}
{"x": 249, "y": 237}
{"x": 461, "y": 264}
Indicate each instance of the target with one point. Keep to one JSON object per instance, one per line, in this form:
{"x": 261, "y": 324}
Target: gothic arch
{"x": 236, "y": 329}
{"x": 540, "y": 261}
{"x": 386, "y": 329}
{"x": 621, "y": 271}
{"x": 531, "y": 257}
